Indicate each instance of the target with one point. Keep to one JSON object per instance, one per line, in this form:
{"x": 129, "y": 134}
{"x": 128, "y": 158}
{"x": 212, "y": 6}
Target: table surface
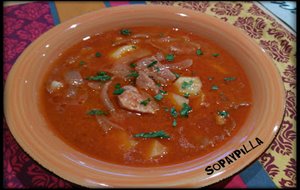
{"x": 270, "y": 24}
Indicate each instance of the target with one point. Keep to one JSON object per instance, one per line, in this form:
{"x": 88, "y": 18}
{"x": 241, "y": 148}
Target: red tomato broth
{"x": 82, "y": 131}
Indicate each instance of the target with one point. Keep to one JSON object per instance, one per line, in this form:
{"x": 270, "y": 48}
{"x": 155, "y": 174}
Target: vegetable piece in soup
{"x": 145, "y": 96}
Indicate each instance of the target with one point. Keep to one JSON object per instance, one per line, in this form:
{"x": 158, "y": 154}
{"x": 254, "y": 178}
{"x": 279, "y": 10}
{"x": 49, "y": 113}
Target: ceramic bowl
{"x": 31, "y": 131}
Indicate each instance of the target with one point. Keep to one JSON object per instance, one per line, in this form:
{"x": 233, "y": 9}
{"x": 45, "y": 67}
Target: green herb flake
{"x": 118, "y": 85}
{"x": 155, "y": 134}
{"x": 133, "y": 47}
{"x": 170, "y": 57}
{"x": 215, "y": 54}
{"x": 186, "y": 84}
{"x": 176, "y": 75}
{"x": 229, "y": 78}
{"x": 173, "y": 112}
{"x": 145, "y": 102}
{"x": 186, "y": 95}
{"x": 158, "y": 97}
{"x": 96, "y": 112}
{"x": 223, "y": 113}
{"x": 199, "y": 52}
{"x": 185, "y": 110}
{"x": 125, "y": 32}
{"x": 98, "y": 54}
{"x": 214, "y": 87}
{"x": 81, "y": 63}
{"x": 118, "y": 90}
{"x": 157, "y": 69}
{"x": 174, "y": 124}
{"x": 166, "y": 109}
{"x": 152, "y": 64}
{"x": 134, "y": 74}
{"x": 101, "y": 76}
{"x": 132, "y": 65}
{"x": 158, "y": 84}
{"x": 163, "y": 92}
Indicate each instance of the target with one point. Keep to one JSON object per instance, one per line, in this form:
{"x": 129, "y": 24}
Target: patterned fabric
{"x": 24, "y": 23}
{"x": 280, "y": 159}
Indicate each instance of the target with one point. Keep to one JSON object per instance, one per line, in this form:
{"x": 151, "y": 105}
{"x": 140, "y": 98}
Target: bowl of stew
{"x": 144, "y": 96}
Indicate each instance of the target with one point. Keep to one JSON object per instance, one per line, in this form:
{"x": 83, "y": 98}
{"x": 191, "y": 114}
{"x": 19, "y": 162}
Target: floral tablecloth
{"x": 275, "y": 168}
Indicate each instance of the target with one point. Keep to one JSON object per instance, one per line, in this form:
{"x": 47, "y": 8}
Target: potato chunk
{"x": 155, "y": 149}
{"x": 220, "y": 120}
{"x": 177, "y": 100}
{"x": 188, "y": 85}
{"x": 122, "y": 140}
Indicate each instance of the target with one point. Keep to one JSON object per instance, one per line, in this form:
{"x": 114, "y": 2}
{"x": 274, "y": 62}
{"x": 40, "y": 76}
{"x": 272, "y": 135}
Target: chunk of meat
{"x": 157, "y": 71}
{"x": 179, "y": 65}
{"x": 143, "y": 81}
{"x": 131, "y": 99}
{"x": 159, "y": 56}
{"x": 120, "y": 70}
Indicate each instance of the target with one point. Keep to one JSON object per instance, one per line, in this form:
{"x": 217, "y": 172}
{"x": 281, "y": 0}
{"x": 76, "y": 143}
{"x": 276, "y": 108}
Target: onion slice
{"x": 140, "y": 36}
{"x": 105, "y": 98}
{"x": 94, "y": 85}
{"x": 106, "y": 124}
{"x": 137, "y": 54}
{"x": 73, "y": 78}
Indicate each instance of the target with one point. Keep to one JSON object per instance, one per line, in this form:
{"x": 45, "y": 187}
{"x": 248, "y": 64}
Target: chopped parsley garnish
{"x": 223, "y": 113}
{"x": 166, "y": 109}
{"x": 134, "y": 74}
{"x": 96, "y": 112}
{"x": 155, "y": 134}
{"x": 215, "y": 54}
{"x": 134, "y": 47}
{"x": 199, "y": 52}
{"x": 81, "y": 63}
{"x": 101, "y": 76}
{"x": 176, "y": 75}
{"x": 132, "y": 65}
{"x": 158, "y": 84}
{"x": 157, "y": 69}
{"x": 214, "y": 87}
{"x": 118, "y": 90}
{"x": 174, "y": 124}
{"x": 125, "y": 32}
{"x": 98, "y": 54}
{"x": 229, "y": 78}
{"x": 152, "y": 64}
{"x": 117, "y": 86}
{"x": 145, "y": 102}
{"x": 185, "y": 110}
{"x": 186, "y": 85}
{"x": 186, "y": 95}
{"x": 173, "y": 112}
{"x": 170, "y": 57}
{"x": 163, "y": 92}
{"x": 158, "y": 97}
